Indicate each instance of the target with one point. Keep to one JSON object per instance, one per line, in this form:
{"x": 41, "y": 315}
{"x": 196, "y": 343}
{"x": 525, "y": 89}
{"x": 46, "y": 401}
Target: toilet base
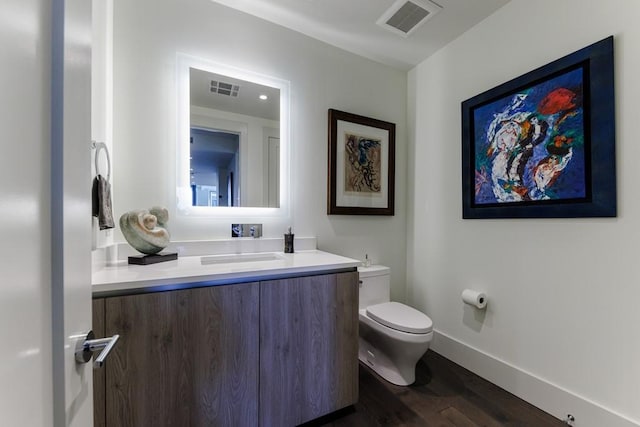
{"x": 383, "y": 366}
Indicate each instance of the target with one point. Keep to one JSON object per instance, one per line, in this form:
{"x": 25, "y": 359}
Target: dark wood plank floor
{"x": 444, "y": 394}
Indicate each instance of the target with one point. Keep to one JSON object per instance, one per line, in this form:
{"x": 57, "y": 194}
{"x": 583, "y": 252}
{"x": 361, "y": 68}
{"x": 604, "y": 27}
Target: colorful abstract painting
{"x": 362, "y": 164}
{"x": 530, "y": 145}
{"x": 542, "y": 145}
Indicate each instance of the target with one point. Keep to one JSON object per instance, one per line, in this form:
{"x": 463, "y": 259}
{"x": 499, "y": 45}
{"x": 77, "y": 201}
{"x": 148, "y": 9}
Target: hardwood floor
{"x": 444, "y": 395}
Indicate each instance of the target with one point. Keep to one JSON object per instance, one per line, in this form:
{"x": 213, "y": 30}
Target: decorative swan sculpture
{"x": 146, "y": 230}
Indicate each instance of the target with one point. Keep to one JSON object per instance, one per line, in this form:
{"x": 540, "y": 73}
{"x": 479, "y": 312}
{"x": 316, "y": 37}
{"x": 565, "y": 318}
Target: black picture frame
{"x": 377, "y": 195}
{"x": 543, "y": 144}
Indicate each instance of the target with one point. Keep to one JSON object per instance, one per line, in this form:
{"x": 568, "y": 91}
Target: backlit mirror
{"x": 232, "y": 144}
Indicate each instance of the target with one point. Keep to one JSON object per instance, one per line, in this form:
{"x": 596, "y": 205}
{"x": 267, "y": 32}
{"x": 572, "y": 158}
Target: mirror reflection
{"x": 234, "y": 151}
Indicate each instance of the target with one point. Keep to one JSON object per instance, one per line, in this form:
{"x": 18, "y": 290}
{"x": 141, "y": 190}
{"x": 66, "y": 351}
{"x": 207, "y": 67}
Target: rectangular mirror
{"x": 232, "y": 142}
{"x": 235, "y": 141}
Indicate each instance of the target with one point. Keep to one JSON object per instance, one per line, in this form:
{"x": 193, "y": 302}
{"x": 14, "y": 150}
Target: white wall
{"x": 562, "y": 292}
{"x": 147, "y": 36}
{"x": 101, "y": 99}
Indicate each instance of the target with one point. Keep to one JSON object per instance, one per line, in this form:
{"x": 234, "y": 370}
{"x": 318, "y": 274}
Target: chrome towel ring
{"x": 99, "y": 146}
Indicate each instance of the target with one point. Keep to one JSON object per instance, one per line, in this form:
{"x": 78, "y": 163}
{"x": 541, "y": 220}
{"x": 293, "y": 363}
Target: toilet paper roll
{"x": 474, "y": 298}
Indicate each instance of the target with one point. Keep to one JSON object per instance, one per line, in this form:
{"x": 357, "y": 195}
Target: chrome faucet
{"x": 246, "y": 230}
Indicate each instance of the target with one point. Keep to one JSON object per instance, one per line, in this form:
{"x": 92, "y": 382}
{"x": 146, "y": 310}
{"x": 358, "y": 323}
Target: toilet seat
{"x": 400, "y": 317}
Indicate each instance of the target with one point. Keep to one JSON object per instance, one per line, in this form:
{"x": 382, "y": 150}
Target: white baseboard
{"x": 549, "y": 397}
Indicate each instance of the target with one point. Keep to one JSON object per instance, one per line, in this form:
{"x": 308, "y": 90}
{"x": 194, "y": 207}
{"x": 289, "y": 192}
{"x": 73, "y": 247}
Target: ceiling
{"x": 247, "y": 102}
{"x": 351, "y": 25}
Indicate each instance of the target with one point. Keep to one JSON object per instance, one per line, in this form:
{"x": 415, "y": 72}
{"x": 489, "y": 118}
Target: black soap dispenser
{"x": 288, "y": 242}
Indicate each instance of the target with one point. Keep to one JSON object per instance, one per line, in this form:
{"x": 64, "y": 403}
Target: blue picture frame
{"x": 543, "y": 144}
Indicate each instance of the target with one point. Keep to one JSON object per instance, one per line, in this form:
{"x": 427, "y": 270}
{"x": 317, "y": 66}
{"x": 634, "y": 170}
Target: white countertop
{"x": 189, "y": 270}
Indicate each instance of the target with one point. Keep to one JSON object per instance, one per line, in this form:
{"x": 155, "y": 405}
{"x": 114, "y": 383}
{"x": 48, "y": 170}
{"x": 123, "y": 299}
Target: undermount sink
{"x": 235, "y": 258}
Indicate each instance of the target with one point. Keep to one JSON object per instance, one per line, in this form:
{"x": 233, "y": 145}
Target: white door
{"x": 45, "y": 298}
{"x": 71, "y": 210}
{"x": 26, "y": 385}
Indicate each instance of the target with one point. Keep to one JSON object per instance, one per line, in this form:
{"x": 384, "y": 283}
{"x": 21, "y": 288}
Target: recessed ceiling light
{"x": 264, "y": 97}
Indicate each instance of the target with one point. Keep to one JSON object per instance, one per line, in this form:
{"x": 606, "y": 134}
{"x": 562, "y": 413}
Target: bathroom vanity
{"x": 265, "y": 340}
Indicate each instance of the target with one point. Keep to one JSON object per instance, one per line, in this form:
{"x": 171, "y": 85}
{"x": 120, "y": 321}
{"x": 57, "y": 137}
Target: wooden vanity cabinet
{"x": 99, "y": 399}
{"x": 273, "y": 353}
{"x": 185, "y": 358}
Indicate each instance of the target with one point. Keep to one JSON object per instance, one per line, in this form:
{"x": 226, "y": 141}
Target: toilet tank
{"x": 375, "y": 285}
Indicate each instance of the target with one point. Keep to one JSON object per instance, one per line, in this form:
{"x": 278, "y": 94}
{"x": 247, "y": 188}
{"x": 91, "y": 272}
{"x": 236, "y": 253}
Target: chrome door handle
{"x": 85, "y": 349}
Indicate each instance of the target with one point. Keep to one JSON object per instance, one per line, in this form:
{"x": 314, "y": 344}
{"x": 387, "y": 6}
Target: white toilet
{"x": 393, "y": 336}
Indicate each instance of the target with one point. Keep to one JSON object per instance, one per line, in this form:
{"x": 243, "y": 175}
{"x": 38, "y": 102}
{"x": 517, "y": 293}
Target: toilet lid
{"x": 401, "y": 317}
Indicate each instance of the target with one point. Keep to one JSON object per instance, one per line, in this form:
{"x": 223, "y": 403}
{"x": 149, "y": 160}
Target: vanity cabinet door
{"x": 185, "y": 358}
{"x": 97, "y": 317}
{"x": 308, "y": 347}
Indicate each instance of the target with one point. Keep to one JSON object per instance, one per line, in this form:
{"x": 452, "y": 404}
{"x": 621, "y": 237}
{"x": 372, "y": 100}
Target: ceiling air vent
{"x": 405, "y": 16}
{"x": 223, "y": 88}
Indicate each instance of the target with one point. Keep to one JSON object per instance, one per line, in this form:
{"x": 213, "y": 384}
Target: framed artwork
{"x": 361, "y": 165}
{"x": 543, "y": 145}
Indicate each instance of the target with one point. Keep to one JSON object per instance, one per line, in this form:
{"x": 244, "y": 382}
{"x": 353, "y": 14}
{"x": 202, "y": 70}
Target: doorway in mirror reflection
{"x": 214, "y": 160}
